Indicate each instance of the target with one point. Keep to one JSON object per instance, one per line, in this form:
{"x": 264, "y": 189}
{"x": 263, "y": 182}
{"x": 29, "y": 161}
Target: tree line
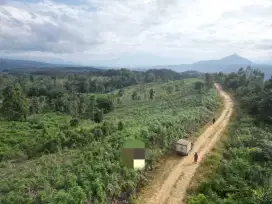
{"x": 104, "y": 81}
{"x": 251, "y": 91}
{"x": 75, "y": 94}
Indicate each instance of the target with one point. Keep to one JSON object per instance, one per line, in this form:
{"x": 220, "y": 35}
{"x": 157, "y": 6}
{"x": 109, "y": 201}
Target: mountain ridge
{"x": 227, "y": 64}
{"x": 6, "y": 63}
{"x": 231, "y": 59}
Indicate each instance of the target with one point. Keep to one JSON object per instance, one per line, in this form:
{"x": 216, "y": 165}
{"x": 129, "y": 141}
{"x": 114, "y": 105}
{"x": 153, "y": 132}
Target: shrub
{"x": 105, "y": 104}
{"x": 98, "y": 116}
{"x": 74, "y": 122}
{"x": 199, "y": 199}
{"x": 120, "y": 125}
{"x": 97, "y": 132}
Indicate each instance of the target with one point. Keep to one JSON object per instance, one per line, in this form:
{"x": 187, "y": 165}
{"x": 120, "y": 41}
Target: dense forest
{"x": 61, "y": 136}
{"x": 241, "y": 170}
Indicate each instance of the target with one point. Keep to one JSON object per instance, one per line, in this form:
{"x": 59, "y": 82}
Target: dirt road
{"x": 169, "y": 185}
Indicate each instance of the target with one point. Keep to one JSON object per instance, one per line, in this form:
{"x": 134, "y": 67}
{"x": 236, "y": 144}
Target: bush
{"x": 105, "y": 104}
{"x": 98, "y": 116}
{"x": 199, "y": 85}
{"x": 120, "y": 125}
{"x": 98, "y": 133}
{"x": 108, "y": 128}
{"x": 74, "y": 122}
{"x": 199, "y": 199}
{"x": 135, "y": 96}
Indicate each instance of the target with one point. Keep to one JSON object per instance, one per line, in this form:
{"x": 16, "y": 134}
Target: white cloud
{"x": 101, "y": 30}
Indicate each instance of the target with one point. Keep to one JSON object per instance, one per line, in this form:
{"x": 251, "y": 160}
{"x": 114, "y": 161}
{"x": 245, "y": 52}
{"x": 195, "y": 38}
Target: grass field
{"x": 44, "y": 160}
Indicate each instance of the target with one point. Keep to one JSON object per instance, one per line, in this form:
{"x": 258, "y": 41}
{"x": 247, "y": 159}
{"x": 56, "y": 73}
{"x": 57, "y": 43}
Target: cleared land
{"x": 88, "y": 168}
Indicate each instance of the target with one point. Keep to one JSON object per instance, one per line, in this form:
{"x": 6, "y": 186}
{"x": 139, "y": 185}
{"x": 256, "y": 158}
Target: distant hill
{"x": 19, "y": 64}
{"x": 229, "y": 60}
{"x": 227, "y": 64}
{"x": 235, "y": 59}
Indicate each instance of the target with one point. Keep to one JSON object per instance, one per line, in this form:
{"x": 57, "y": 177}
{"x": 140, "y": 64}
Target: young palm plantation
{"x": 55, "y": 157}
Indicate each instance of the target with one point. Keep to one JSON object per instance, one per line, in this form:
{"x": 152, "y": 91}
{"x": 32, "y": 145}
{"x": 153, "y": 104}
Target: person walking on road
{"x": 213, "y": 120}
{"x": 195, "y": 157}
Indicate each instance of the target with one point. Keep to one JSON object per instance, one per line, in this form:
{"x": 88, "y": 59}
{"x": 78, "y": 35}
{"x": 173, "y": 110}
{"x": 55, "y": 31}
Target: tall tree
{"x": 34, "y": 106}
{"x": 208, "y": 80}
{"x": 199, "y": 85}
{"x": 151, "y": 94}
{"x": 15, "y": 104}
{"x": 150, "y": 77}
{"x": 105, "y": 104}
{"x": 121, "y": 92}
{"x": 135, "y": 96}
{"x": 91, "y": 107}
{"x": 82, "y": 104}
{"x": 84, "y": 85}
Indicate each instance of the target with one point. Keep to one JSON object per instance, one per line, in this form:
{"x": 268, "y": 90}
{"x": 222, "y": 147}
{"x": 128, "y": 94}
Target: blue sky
{"x": 136, "y": 33}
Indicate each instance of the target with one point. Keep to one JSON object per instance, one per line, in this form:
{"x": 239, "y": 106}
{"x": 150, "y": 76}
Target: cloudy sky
{"x": 135, "y": 32}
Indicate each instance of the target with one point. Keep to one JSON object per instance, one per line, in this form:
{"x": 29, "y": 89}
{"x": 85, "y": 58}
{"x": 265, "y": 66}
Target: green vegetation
{"x": 241, "y": 171}
{"x": 14, "y": 103}
{"x": 66, "y": 147}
